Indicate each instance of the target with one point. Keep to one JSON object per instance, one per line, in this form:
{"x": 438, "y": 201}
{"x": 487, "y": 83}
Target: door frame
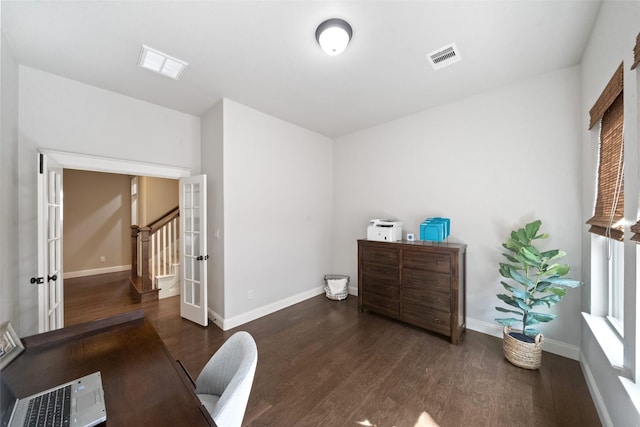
{"x": 88, "y": 162}
{"x": 91, "y": 163}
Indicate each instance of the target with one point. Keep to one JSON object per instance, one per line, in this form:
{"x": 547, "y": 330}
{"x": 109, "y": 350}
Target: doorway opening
{"x": 101, "y": 211}
{"x": 83, "y": 162}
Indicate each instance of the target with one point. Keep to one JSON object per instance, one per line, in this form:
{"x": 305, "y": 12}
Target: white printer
{"x": 385, "y": 230}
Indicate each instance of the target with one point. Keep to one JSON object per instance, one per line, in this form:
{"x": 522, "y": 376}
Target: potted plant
{"x": 535, "y": 278}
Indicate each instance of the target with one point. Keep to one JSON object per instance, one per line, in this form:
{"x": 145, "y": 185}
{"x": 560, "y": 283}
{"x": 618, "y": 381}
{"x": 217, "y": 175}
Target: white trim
{"x": 109, "y": 165}
{"x": 598, "y": 401}
{"x": 241, "y": 319}
{"x": 94, "y": 271}
{"x": 215, "y": 318}
{"x": 633, "y": 391}
{"x": 608, "y": 340}
{"x": 552, "y": 346}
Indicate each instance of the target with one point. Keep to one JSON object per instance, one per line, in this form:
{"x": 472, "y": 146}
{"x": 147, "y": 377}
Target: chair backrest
{"x": 229, "y": 374}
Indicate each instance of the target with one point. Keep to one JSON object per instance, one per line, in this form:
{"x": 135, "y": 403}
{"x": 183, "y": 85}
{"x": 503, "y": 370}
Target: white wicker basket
{"x": 338, "y": 296}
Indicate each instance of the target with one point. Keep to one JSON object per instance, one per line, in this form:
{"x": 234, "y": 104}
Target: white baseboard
{"x": 552, "y": 346}
{"x": 598, "y": 401}
{"x": 94, "y": 271}
{"x": 230, "y": 323}
{"x": 215, "y": 318}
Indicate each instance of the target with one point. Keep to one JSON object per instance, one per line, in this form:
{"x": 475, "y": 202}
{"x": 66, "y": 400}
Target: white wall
{"x": 60, "y": 114}
{"x": 212, "y": 149}
{"x": 8, "y": 188}
{"x": 277, "y": 210}
{"x": 491, "y": 163}
{"x": 611, "y": 43}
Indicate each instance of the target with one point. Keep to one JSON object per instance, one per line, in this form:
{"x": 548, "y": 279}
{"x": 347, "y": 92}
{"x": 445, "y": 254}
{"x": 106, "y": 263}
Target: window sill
{"x": 608, "y": 339}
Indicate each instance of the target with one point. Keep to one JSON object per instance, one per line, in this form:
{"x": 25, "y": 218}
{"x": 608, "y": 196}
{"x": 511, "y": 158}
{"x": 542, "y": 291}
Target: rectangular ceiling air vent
{"x": 161, "y": 63}
{"x": 444, "y": 56}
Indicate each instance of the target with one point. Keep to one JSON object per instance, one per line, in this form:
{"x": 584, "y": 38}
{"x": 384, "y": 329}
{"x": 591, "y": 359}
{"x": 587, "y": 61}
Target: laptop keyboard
{"x": 50, "y": 409}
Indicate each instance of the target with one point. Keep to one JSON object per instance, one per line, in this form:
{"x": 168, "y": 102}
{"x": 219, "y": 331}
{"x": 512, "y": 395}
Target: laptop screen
{"x": 7, "y": 402}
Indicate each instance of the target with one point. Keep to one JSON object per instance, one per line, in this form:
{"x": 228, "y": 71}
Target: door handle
{"x": 50, "y": 278}
{"x": 202, "y": 258}
{"x": 37, "y": 280}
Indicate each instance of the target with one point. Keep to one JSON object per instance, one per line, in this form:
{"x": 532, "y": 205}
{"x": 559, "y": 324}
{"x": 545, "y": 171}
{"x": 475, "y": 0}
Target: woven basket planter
{"x": 522, "y": 354}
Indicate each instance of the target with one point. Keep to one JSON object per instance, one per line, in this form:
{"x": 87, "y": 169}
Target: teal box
{"x": 447, "y": 224}
{"x": 432, "y": 231}
{"x": 435, "y": 229}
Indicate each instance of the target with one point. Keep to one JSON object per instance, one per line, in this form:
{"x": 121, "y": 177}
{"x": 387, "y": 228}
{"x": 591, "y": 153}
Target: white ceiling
{"x": 263, "y": 54}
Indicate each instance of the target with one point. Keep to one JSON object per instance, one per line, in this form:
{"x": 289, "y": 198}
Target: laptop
{"x": 76, "y": 403}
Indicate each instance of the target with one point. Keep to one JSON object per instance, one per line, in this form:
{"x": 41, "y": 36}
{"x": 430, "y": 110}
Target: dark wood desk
{"x": 143, "y": 385}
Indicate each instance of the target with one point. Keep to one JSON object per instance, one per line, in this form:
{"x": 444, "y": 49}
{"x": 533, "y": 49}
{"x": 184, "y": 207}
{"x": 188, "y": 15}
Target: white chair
{"x": 225, "y": 382}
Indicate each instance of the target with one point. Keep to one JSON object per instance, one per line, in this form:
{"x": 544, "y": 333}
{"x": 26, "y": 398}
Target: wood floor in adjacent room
{"x": 323, "y": 363}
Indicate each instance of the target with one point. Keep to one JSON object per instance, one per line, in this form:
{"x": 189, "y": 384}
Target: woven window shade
{"x": 609, "y": 208}
{"x": 635, "y": 228}
{"x": 609, "y": 94}
{"x": 636, "y": 53}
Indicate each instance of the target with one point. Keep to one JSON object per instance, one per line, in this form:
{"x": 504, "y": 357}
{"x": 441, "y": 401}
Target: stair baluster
{"x": 153, "y": 254}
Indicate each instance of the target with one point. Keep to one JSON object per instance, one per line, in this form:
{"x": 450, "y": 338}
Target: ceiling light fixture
{"x": 333, "y": 36}
{"x": 161, "y": 63}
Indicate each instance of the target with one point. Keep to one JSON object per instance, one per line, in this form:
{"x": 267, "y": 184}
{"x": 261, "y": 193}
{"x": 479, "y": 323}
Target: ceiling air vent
{"x": 444, "y": 56}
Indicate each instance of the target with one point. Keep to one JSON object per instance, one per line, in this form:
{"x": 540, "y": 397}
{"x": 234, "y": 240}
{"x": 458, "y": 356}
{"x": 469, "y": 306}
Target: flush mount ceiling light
{"x": 161, "y": 63}
{"x": 333, "y": 36}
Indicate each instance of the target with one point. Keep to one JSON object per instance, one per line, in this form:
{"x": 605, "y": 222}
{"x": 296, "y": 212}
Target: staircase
{"x": 155, "y": 260}
{"x": 167, "y": 279}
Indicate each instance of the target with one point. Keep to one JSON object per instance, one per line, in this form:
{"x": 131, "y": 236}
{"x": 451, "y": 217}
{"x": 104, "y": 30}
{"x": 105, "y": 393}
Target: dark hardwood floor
{"x": 323, "y": 363}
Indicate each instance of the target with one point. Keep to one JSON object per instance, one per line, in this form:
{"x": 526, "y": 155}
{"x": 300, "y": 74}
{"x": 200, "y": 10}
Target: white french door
{"x": 49, "y": 279}
{"x": 193, "y": 254}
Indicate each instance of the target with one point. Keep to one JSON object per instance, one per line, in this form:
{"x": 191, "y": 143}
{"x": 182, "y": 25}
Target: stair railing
{"x": 154, "y": 249}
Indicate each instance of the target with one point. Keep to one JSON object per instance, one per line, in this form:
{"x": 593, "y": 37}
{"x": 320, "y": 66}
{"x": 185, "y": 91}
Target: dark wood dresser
{"x": 421, "y": 283}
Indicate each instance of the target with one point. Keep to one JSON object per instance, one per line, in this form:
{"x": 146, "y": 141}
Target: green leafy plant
{"x": 539, "y": 279}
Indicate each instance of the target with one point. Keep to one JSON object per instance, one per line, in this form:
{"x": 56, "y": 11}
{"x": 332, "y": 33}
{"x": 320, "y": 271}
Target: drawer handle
{"x": 436, "y": 319}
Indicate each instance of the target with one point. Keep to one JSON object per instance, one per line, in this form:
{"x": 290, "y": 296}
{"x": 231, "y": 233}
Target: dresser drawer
{"x": 384, "y": 272}
{"x": 426, "y": 280}
{"x": 380, "y": 255}
{"x": 381, "y": 304}
{"x": 440, "y": 263}
{"x": 434, "y": 320}
{"x": 383, "y": 287}
{"x": 429, "y": 299}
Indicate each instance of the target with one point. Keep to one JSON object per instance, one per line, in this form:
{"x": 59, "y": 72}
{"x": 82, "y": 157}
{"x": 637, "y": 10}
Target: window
{"x": 608, "y": 213}
{"x": 615, "y": 282}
